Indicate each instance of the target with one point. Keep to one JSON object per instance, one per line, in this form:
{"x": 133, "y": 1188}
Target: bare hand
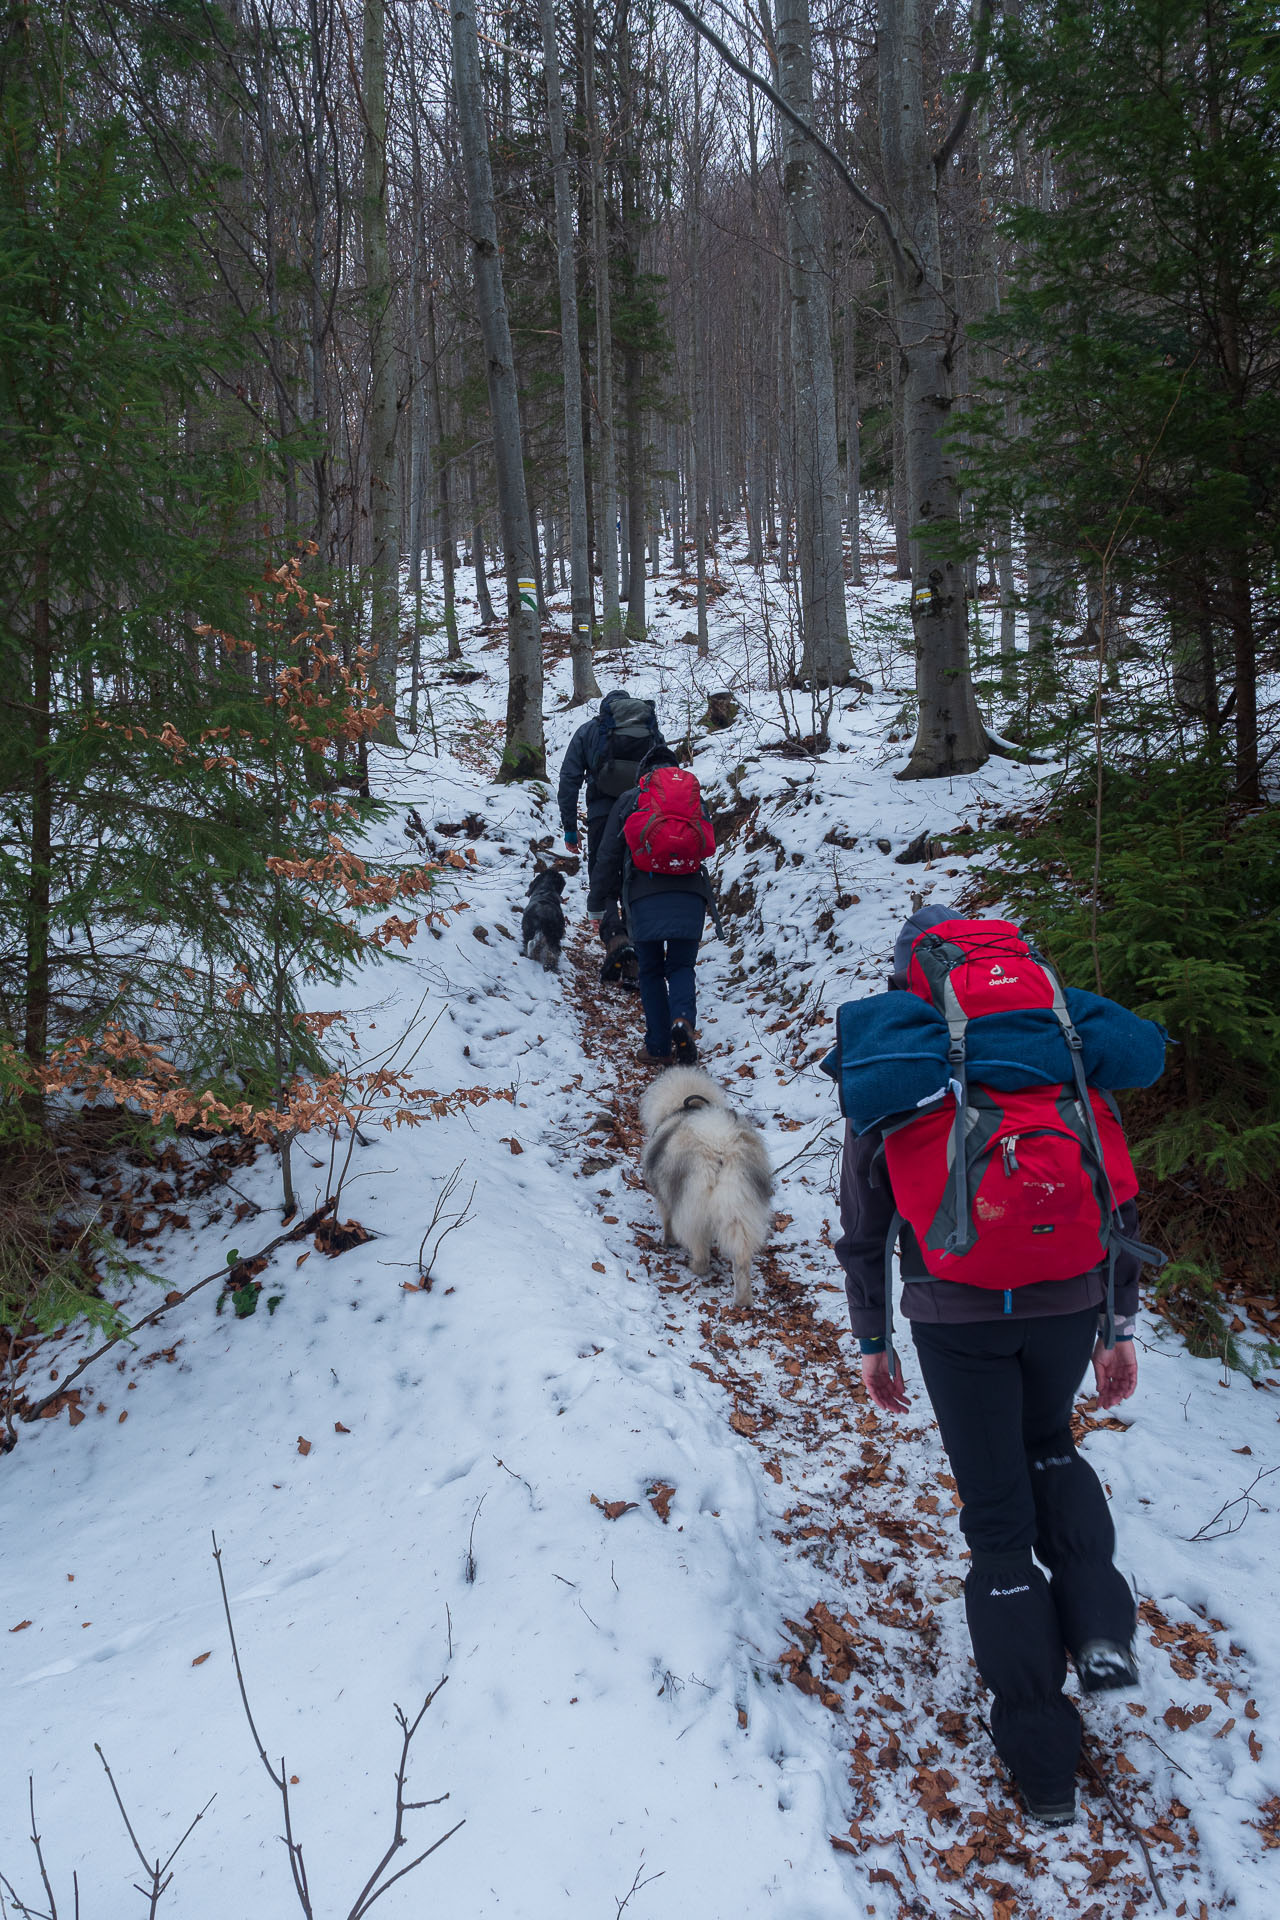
{"x": 885, "y": 1387}
{"x": 595, "y": 926}
{"x": 1116, "y": 1372}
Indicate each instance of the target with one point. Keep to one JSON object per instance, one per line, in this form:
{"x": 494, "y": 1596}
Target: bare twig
{"x": 1166, "y": 1756}
{"x": 371, "y": 1890}
{"x": 159, "y": 1874}
{"x": 375, "y": 1886}
{"x": 1127, "y": 1824}
{"x": 636, "y": 1886}
{"x": 1246, "y": 1495}
{"x": 469, "y": 1564}
{"x": 451, "y": 1222}
{"x": 280, "y": 1781}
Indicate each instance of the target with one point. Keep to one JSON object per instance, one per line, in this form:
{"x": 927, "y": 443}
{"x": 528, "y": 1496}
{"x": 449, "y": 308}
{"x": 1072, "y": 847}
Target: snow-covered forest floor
{"x": 748, "y": 1691}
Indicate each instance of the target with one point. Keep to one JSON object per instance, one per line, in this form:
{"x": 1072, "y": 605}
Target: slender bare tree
{"x": 524, "y": 754}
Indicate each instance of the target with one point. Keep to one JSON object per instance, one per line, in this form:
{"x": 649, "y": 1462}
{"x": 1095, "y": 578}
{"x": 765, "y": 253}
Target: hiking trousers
{"x": 667, "y": 988}
{"x": 1002, "y": 1391}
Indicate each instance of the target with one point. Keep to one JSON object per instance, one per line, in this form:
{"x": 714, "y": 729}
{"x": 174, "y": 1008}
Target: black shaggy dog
{"x": 542, "y": 923}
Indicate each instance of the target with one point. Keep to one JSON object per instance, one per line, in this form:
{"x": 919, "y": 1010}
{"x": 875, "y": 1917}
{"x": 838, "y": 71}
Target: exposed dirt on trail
{"x": 867, "y": 1504}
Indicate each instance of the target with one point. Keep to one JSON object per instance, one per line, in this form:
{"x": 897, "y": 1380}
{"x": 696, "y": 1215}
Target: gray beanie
{"x": 921, "y": 920}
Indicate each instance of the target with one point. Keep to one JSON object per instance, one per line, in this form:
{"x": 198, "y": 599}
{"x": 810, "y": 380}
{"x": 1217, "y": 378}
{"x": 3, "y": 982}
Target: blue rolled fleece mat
{"x": 890, "y": 1054}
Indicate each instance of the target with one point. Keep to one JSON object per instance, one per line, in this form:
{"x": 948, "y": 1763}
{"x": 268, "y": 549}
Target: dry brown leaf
{"x": 660, "y": 1496}
{"x": 201, "y": 1658}
{"x": 301, "y": 1257}
{"x": 339, "y": 1428}
{"x": 1123, "y": 1764}
{"x": 613, "y": 1509}
{"x": 21, "y": 1624}
{"x": 304, "y": 1446}
{"x": 1180, "y": 1718}
{"x": 597, "y": 1266}
{"x": 1255, "y": 1747}
{"x": 744, "y": 1423}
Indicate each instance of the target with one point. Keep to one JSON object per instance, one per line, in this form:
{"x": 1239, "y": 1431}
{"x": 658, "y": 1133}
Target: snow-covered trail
{"x": 620, "y": 1710}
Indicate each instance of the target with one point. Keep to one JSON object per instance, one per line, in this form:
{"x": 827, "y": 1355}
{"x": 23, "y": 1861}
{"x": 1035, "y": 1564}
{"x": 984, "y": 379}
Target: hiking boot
{"x": 619, "y": 967}
{"x": 1104, "y": 1666}
{"x": 682, "y": 1043}
{"x": 1050, "y": 1813}
{"x": 646, "y": 1059}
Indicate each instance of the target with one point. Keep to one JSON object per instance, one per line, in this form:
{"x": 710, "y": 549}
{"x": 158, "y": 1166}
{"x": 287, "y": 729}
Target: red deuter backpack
{"x": 1005, "y": 1188}
{"x": 668, "y": 831}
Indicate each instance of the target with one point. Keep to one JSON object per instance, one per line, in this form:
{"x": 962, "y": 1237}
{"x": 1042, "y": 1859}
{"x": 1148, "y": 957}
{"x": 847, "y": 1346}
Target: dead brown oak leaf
{"x": 614, "y": 1509}
{"x": 660, "y": 1496}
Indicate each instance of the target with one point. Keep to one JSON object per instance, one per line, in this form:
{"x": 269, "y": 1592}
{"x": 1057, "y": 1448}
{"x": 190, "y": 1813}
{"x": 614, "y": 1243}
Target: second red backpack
{"x": 1005, "y": 1188}
{"x": 668, "y": 832}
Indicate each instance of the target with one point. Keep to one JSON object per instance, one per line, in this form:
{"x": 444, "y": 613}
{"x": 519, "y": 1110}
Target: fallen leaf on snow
{"x": 613, "y": 1509}
{"x": 1180, "y": 1718}
{"x": 21, "y": 1624}
{"x": 201, "y": 1658}
{"x": 660, "y": 1496}
{"x": 339, "y": 1428}
{"x": 304, "y": 1446}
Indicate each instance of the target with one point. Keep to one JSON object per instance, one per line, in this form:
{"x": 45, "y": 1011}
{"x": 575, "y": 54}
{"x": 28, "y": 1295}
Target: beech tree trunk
{"x": 384, "y": 479}
{"x": 581, "y": 608}
{"x": 483, "y": 602}
{"x": 448, "y": 555}
{"x": 950, "y": 735}
{"x": 852, "y": 442}
{"x": 525, "y": 754}
{"x": 826, "y": 659}
{"x": 607, "y": 487}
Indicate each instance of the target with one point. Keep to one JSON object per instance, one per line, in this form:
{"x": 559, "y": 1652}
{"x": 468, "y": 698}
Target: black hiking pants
{"x": 611, "y": 927}
{"x": 1002, "y": 1391}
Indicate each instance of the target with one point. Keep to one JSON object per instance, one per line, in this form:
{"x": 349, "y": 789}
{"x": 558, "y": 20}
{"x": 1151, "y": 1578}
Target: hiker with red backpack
{"x": 982, "y": 1141}
{"x": 651, "y": 857}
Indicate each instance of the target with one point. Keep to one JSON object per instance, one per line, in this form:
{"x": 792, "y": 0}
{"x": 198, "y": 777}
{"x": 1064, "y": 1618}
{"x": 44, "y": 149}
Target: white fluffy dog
{"x": 708, "y": 1170}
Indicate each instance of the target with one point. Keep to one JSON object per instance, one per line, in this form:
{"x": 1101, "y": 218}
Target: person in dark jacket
{"x": 584, "y": 764}
{"x": 1002, "y": 1370}
{"x": 664, "y": 914}
{"x": 604, "y": 755}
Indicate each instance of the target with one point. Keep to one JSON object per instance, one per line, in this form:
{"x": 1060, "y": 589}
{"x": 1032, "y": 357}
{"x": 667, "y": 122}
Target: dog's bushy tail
{"x": 545, "y": 952}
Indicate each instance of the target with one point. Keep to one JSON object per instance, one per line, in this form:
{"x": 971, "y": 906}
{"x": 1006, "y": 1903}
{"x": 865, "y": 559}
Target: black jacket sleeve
{"x": 866, "y": 1211}
{"x": 610, "y": 868}
{"x": 573, "y": 771}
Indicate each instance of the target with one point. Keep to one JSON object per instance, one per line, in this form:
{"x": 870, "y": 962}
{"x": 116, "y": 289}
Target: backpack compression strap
{"x": 937, "y": 957}
{"x": 1117, "y": 1240}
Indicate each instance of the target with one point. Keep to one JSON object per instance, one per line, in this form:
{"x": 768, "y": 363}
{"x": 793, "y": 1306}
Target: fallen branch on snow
{"x": 228, "y": 1267}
